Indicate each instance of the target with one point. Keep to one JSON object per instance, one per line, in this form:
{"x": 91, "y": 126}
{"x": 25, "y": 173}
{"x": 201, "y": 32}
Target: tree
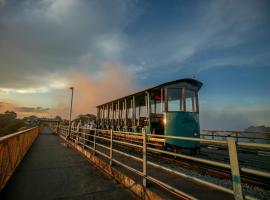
{"x": 58, "y": 118}
{"x": 9, "y": 123}
{"x": 11, "y": 114}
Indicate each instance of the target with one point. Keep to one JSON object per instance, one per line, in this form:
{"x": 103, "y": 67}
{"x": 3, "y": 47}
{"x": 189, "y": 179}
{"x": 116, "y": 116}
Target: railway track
{"x": 220, "y": 172}
{"x": 200, "y": 168}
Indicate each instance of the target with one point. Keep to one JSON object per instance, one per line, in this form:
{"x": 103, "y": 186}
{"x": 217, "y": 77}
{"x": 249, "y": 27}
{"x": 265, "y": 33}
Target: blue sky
{"x": 47, "y": 45}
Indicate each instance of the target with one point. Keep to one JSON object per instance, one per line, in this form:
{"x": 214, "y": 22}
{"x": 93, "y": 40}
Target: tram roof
{"x": 185, "y": 80}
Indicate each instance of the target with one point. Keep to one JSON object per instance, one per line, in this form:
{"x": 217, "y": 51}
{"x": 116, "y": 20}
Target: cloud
{"x": 219, "y": 33}
{"x": 30, "y": 109}
{"x": 3, "y": 2}
{"x": 114, "y": 82}
{"x": 233, "y": 117}
{"x": 4, "y": 106}
{"x": 45, "y": 37}
{"x": 54, "y": 84}
{"x": 53, "y": 36}
{"x": 24, "y": 90}
{"x": 24, "y": 111}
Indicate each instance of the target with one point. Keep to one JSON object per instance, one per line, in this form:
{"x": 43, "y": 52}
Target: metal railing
{"x": 240, "y": 136}
{"x": 91, "y": 139}
{"x": 13, "y": 147}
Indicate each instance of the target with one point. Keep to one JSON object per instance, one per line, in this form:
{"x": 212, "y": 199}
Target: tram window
{"x": 123, "y": 113}
{"x": 130, "y": 113}
{"x": 153, "y": 107}
{"x": 110, "y": 113}
{"x": 143, "y": 111}
{"x": 174, "y": 99}
{"x": 190, "y": 101}
{"x": 158, "y": 107}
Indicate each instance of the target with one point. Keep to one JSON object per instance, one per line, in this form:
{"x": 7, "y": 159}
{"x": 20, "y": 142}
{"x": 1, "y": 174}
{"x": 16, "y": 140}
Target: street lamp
{"x": 70, "y": 111}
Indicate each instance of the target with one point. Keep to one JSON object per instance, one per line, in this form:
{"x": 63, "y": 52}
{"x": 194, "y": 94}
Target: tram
{"x": 170, "y": 108}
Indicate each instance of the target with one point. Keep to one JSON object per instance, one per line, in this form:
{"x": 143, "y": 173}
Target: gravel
{"x": 250, "y": 190}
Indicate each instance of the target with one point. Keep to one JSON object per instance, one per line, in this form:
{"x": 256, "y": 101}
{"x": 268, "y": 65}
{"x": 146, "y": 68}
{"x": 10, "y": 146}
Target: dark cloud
{"x": 32, "y": 110}
{"x": 4, "y": 106}
{"x": 42, "y": 37}
{"x": 39, "y": 38}
{"x": 205, "y": 35}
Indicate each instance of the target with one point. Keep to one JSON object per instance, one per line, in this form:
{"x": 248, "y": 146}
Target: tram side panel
{"x": 183, "y": 124}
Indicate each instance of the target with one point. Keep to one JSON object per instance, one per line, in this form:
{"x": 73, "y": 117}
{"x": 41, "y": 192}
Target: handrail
{"x": 233, "y": 131}
{"x": 13, "y": 147}
{"x": 15, "y": 134}
{"x": 261, "y": 138}
{"x": 230, "y": 142}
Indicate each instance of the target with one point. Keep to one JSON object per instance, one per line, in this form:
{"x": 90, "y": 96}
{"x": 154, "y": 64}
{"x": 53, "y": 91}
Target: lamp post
{"x": 70, "y": 112}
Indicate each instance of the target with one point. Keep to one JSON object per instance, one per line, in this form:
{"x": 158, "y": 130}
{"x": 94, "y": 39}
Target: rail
{"x": 90, "y": 139}
{"x": 240, "y": 136}
{"x": 13, "y": 147}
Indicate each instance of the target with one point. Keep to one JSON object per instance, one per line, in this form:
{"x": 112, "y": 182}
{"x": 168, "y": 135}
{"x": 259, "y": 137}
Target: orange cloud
{"x": 114, "y": 82}
{"x": 24, "y": 111}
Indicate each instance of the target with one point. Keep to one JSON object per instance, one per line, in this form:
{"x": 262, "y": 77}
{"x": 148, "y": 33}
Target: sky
{"x": 107, "y": 49}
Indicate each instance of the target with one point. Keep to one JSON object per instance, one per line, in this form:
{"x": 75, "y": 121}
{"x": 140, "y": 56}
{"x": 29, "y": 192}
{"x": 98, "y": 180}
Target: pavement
{"x": 50, "y": 170}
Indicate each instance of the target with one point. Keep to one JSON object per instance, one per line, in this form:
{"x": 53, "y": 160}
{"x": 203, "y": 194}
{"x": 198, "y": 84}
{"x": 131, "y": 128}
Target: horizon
{"x": 107, "y": 50}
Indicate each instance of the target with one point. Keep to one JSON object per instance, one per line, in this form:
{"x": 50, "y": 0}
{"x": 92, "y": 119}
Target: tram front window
{"x": 174, "y": 99}
{"x": 190, "y": 101}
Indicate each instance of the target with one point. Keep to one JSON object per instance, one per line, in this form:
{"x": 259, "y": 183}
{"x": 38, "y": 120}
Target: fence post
{"x": 235, "y": 169}
{"x": 144, "y": 159}
{"x": 84, "y": 137}
{"x": 111, "y": 146}
{"x": 237, "y": 135}
{"x": 95, "y": 132}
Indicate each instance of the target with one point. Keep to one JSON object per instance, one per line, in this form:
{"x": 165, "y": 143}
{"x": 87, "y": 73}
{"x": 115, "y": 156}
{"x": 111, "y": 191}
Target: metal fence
{"x": 13, "y": 147}
{"x": 240, "y": 136}
{"x": 93, "y": 138}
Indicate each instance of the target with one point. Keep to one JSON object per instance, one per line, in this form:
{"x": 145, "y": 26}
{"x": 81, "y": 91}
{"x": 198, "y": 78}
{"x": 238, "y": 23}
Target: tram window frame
{"x": 194, "y": 101}
{"x": 180, "y": 100}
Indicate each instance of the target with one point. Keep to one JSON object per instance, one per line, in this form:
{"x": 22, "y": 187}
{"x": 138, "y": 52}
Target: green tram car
{"x": 171, "y": 108}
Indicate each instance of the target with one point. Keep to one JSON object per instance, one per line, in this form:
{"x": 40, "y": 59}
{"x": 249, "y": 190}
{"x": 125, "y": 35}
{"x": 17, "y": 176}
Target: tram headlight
{"x": 164, "y": 121}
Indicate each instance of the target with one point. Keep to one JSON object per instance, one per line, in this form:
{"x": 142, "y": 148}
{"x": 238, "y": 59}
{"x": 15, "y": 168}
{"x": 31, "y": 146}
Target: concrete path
{"x": 50, "y": 170}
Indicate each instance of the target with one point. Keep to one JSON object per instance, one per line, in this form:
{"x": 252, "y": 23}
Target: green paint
{"x": 236, "y": 179}
{"x": 182, "y": 124}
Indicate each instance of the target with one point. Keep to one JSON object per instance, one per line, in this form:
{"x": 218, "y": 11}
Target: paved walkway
{"x": 50, "y": 170}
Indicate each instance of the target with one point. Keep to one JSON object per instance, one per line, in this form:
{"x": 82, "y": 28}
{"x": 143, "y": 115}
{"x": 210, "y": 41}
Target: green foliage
{"x": 9, "y": 123}
{"x": 59, "y": 118}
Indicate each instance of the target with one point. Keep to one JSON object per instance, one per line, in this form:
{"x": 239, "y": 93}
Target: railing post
{"x": 68, "y": 133}
{"x": 144, "y": 159}
{"x": 111, "y": 146}
{"x": 78, "y": 135}
{"x": 95, "y": 132}
{"x": 84, "y": 136}
{"x": 235, "y": 169}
